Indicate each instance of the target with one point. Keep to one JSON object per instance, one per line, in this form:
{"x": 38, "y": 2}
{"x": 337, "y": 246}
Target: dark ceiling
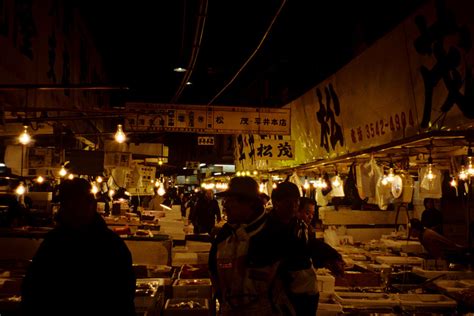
{"x": 142, "y": 41}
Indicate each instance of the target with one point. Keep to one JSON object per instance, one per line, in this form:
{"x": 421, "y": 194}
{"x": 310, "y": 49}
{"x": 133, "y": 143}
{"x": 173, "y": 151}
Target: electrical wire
{"x": 264, "y": 37}
{"x": 195, "y": 51}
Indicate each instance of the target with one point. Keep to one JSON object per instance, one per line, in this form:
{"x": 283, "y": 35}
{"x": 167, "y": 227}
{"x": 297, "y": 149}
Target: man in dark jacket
{"x": 245, "y": 256}
{"x": 81, "y": 267}
{"x": 303, "y": 252}
{"x": 204, "y": 214}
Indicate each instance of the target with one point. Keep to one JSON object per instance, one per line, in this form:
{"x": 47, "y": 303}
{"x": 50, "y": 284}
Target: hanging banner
{"x": 207, "y": 119}
{"x": 417, "y": 78}
{"x": 275, "y": 149}
{"x": 258, "y": 152}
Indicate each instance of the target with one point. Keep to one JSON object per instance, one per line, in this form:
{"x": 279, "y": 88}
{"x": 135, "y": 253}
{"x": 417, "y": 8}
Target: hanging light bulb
{"x": 390, "y": 175}
{"x": 453, "y": 182}
{"x": 274, "y": 185}
{"x": 261, "y": 187}
{"x": 323, "y": 184}
{"x": 255, "y": 172}
{"x": 94, "y": 189}
{"x": 462, "y": 173}
{"x": 336, "y": 181}
{"x": 70, "y": 176}
{"x": 306, "y": 183}
{"x": 63, "y": 171}
{"x": 24, "y": 137}
{"x": 470, "y": 167}
{"x": 40, "y": 179}
{"x": 161, "y": 191}
{"x": 111, "y": 193}
{"x": 160, "y": 162}
{"x": 99, "y": 179}
{"x": 157, "y": 184}
{"x": 430, "y": 175}
{"x": 20, "y": 190}
{"x": 119, "y": 134}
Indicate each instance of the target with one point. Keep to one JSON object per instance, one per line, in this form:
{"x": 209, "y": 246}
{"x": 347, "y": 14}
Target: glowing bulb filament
{"x": 40, "y": 179}
{"x": 161, "y": 191}
{"x": 306, "y": 185}
{"x": 62, "y": 172}
{"x": 24, "y": 138}
{"x": 94, "y": 189}
{"x": 336, "y": 182}
{"x": 120, "y": 135}
{"x": 453, "y": 182}
{"x": 20, "y": 190}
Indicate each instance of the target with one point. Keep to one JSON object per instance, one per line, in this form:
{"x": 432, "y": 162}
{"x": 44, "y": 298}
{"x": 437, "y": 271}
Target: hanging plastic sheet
{"x": 430, "y": 186}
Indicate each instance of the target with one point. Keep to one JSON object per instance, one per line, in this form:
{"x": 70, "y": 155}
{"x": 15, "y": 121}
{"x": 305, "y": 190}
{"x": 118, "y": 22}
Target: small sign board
{"x": 205, "y": 140}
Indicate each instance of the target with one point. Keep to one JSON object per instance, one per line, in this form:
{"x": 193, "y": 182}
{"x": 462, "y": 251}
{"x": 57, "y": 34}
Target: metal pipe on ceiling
{"x": 52, "y": 87}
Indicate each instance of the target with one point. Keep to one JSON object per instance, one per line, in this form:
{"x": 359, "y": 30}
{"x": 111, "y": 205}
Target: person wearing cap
{"x": 304, "y": 251}
{"x": 81, "y": 267}
{"x": 245, "y": 256}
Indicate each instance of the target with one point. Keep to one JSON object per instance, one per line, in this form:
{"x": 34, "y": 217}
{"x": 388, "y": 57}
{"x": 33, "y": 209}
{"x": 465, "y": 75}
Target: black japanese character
{"x": 331, "y": 131}
{"x": 285, "y": 150}
{"x": 431, "y": 42}
{"x": 252, "y": 148}
{"x": 274, "y": 122}
{"x": 240, "y": 147}
{"x": 200, "y": 119}
{"x": 264, "y": 151}
{"x": 266, "y": 121}
{"x": 257, "y": 121}
{"x": 353, "y": 136}
{"x": 282, "y": 122}
{"x": 244, "y": 121}
{"x": 220, "y": 120}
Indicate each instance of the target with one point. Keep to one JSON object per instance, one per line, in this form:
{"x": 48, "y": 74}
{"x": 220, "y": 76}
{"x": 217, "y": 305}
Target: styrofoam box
{"x": 326, "y": 283}
{"x": 426, "y": 300}
{"x": 189, "y": 288}
{"x": 171, "y": 310}
{"x": 366, "y": 299}
{"x": 394, "y": 260}
{"x": 328, "y": 306}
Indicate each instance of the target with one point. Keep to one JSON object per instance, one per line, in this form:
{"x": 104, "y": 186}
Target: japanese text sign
{"x": 207, "y": 119}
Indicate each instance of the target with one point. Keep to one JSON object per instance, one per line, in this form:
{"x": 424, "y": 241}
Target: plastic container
{"x": 426, "y": 300}
{"x": 366, "y": 299}
{"x": 326, "y": 283}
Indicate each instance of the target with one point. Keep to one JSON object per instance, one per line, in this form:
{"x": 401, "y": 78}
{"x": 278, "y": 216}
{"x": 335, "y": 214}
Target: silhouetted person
{"x": 81, "y": 267}
{"x": 431, "y": 217}
{"x": 204, "y": 214}
{"x": 437, "y": 246}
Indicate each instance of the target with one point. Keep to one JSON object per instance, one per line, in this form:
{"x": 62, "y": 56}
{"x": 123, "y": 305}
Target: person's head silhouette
{"x": 77, "y": 204}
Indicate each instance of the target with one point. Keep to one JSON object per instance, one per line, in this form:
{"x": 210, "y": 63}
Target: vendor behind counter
{"x": 437, "y": 246}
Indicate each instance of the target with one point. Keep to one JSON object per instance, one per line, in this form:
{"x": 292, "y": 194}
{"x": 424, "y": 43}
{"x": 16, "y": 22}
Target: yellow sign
{"x": 207, "y": 119}
{"x": 275, "y": 149}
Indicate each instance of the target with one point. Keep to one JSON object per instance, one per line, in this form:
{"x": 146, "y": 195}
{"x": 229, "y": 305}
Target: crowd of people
{"x": 262, "y": 260}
